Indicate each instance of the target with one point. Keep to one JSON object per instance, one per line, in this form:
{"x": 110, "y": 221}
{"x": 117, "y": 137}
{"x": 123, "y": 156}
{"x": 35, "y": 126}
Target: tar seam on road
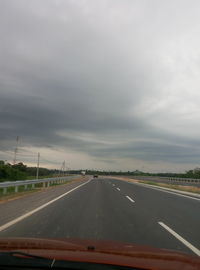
{"x": 180, "y": 238}
{"x": 14, "y": 221}
{"x": 118, "y": 189}
{"x": 171, "y": 192}
{"x": 130, "y": 199}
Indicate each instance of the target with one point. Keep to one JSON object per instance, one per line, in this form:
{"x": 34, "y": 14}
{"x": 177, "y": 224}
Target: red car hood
{"x": 103, "y": 252}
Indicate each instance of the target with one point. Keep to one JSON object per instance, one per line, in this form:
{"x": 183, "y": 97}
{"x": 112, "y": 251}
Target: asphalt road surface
{"x": 106, "y": 209}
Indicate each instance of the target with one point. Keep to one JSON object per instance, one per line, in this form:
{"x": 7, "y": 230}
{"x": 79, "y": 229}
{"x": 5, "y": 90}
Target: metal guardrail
{"x": 193, "y": 180}
{"x": 182, "y": 179}
{"x": 45, "y": 181}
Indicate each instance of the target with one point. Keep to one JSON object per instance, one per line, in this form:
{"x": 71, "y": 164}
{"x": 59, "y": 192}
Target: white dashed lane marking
{"x": 130, "y": 199}
{"x": 180, "y": 238}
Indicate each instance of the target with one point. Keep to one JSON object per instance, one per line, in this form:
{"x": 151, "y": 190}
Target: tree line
{"x": 20, "y": 171}
{"x": 195, "y": 173}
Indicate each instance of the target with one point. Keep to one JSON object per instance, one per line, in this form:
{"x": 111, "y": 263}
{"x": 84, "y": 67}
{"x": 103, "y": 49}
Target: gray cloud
{"x": 115, "y": 79}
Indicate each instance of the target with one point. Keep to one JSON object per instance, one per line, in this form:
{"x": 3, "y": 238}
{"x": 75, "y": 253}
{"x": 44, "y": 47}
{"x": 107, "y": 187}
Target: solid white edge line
{"x": 16, "y": 220}
{"x": 171, "y": 192}
{"x": 180, "y": 238}
{"x": 118, "y": 189}
{"x": 130, "y": 199}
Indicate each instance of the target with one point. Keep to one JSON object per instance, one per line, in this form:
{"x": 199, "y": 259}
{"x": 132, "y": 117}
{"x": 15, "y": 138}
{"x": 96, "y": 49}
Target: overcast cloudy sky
{"x": 107, "y": 84}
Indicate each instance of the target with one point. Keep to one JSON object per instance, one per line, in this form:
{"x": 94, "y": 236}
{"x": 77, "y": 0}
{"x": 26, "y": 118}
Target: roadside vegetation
{"x": 20, "y": 171}
{"x": 195, "y": 173}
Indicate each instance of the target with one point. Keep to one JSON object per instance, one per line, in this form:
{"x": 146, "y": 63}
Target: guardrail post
{"x": 16, "y": 189}
{"x": 44, "y": 185}
{"x": 25, "y": 187}
{"x": 4, "y": 190}
{"x": 33, "y": 185}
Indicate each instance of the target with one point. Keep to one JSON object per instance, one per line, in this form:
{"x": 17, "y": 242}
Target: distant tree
{"x": 20, "y": 166}
{"x": 2, "y": 162}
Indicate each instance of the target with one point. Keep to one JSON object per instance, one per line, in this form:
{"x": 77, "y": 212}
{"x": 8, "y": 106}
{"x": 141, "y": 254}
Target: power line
{"x": 18, "y": 153}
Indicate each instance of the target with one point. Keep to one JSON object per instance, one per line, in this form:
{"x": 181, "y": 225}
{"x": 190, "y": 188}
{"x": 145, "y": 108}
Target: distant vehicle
{"x": 95, "y": 176}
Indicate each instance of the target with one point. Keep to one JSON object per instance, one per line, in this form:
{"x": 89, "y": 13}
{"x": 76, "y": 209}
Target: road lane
{"x": 99, "y": 211}
{"x": 30, "y": 213}
{"x": 16, "y": 207}
{"x": 182, "y": 214}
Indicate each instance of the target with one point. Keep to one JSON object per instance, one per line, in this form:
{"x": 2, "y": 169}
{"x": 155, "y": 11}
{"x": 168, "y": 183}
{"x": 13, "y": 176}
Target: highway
{"x": 106, "y": 209}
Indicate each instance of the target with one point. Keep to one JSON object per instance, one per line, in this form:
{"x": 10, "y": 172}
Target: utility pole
{"x": 38, "y": 166}
{"x": 16, "y": 150}
{"x": 61, "y": 169}
{"x": 67, "y": 169}
{"x": 64, "y": 168}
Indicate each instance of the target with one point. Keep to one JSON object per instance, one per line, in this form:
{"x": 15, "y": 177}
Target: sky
{"x": 109, "y": 85}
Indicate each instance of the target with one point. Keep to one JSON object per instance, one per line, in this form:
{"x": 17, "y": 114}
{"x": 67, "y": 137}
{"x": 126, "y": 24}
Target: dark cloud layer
{"x": 111, "y": 79}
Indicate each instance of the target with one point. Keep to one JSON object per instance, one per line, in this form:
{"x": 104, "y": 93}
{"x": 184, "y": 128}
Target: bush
{"x": 8, "y": 172}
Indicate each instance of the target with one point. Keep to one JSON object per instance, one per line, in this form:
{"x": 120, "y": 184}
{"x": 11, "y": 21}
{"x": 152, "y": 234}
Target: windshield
{"x": 99, "y": 121}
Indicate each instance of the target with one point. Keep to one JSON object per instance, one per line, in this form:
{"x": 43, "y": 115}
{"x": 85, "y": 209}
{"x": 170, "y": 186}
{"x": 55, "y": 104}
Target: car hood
{"x": 104, "y": 252}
